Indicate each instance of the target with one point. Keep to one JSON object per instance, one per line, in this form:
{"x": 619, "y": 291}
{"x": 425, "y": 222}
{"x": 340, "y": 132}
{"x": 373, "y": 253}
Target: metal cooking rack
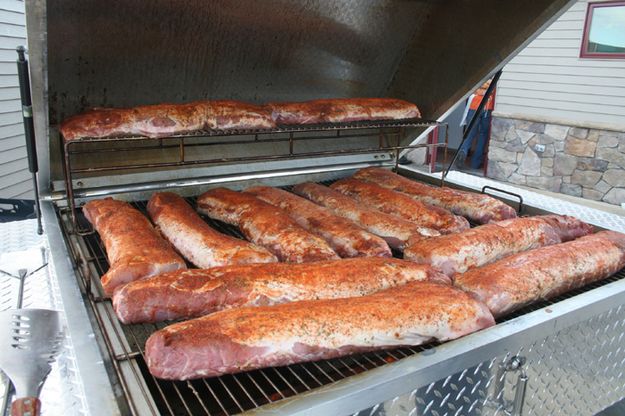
{"x": 389, "y": 133}
{"x": 228, "y": 394}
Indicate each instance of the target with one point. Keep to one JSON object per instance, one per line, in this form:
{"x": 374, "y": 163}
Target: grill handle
{"x": 29, "y": 129}
{"x": 511, "y": 365}
{"x": 472, "y": 122}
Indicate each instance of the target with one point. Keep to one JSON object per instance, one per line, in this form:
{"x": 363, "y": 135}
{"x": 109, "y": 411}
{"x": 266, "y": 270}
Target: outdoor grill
{"x": 140, "y": 52}
{"x": 229, "y": 394}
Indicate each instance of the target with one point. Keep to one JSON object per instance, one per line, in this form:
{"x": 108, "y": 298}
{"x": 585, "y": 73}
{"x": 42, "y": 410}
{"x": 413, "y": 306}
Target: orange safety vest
{"x": 477, "y": 99}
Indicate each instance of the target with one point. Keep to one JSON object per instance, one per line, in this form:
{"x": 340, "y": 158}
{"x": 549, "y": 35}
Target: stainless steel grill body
{"x": 350, "y": 384}
{"x": 577, "y": 370}
{"x": 84, "y": 54}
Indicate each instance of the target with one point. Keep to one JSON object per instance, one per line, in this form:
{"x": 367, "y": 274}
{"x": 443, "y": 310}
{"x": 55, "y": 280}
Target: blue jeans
{"x": 480, "y": 129}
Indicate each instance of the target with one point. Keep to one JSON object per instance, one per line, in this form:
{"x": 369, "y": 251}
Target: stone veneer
{"x": 576, "y": 161}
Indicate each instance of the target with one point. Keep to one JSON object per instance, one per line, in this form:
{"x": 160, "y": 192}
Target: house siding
{"x": 559, "y": 120}
{"x": 15, "y": 180}
{"x": 549, "y": 82}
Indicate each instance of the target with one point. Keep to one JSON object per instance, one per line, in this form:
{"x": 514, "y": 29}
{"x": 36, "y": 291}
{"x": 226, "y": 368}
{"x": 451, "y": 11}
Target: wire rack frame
{"x": 389, "y": 135}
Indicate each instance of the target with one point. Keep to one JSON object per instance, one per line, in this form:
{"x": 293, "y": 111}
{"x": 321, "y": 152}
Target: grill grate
{"x": 352, "y": 125}
{"x": 232, "y": 394}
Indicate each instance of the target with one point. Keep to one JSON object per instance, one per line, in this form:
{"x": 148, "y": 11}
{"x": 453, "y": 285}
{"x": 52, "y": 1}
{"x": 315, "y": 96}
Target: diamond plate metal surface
{"x": 22, "y": 248}
{"x": 553, "y": 204}
{"x": 577, "y": 371}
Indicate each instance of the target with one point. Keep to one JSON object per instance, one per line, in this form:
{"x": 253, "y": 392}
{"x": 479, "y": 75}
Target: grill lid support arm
{"x": 472, "y": 123}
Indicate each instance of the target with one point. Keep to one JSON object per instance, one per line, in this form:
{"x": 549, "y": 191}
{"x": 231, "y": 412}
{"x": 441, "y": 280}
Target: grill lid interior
{"x": 128, "y": 53}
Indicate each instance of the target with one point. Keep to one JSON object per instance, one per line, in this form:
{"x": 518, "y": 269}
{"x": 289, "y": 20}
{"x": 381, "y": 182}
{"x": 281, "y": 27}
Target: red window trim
{"x": 587, "y": 23}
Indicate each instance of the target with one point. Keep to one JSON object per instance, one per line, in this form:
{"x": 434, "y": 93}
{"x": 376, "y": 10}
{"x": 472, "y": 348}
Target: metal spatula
{"x": 30, "y": 340}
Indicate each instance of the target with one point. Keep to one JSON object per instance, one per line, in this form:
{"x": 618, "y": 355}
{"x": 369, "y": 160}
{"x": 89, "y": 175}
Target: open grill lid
{"x": 139, "y": 52}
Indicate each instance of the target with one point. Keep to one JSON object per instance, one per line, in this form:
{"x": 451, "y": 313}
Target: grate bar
{"x": 366, "y": 357}
{"x": 128, "y": 356}
{"x": 171, "y": 411}
{"x": 197, "y": 395}
{"x": 215, "y": 396}
{"x": 262, "y": 372}
{"x": 290, "y": 368}
{"x": 223, "y": 384}
{"x": 236, "y": 379}
{"x": 220, "y": 143}
{"x": 275, "y": 370}
{"x": 354, "y": 360}
{"x": 303, "y": 367}
{"x": 318, "y": 367}
{"x": 182, "y": 400}
{"x": 258, "y": 387}
{"x": 329, "y": 362}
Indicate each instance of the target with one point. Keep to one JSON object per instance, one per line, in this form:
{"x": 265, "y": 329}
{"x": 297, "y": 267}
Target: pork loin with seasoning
{"x": 401, "y": 205}
{"x": 457, "y": 253}
{"x": 192, "y": 293}
{"x": 229, "y": 115}
{"x": 248, "y": 338}
{"x": 344, "y": 236}
{"x": 342, "y": 110}
{"x": 134, "y": 249}
{"x": 543, "y": 273}
{"x": 265, "y": 225}
{"x": 163, "y": 120}
{"x": 393, "y": 229}
{"x": 196, "y": 240}
{"x": 477, "y": 207}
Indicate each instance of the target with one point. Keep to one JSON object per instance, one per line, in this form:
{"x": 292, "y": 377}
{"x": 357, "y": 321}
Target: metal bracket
{"x": 510, "y": 407}
{"x": 29, "y": 129}
{"x": 517, "y": 196}
{"x": 472, "y": 123}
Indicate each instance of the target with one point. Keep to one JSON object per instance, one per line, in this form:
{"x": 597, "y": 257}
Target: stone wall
{"x": 575, "y": 161}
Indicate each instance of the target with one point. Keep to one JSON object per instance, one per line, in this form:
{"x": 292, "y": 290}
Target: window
{"x": 604, "y": 30}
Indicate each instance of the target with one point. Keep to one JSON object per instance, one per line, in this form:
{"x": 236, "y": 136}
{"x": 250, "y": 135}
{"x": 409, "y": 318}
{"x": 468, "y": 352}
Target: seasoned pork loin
{"x": 192, "y": 293}
{"x": 134, "y": 249}
{"x": 457, "y": 253}
{"x": 401, "y": 205}
{"x": 343, "y": 235}
{"x": 248, "y": 338}
{"x": 229, "y": 115}
{"x": 543, "y": 273}
{"x": 342, "y": 110}
{"x": 479, "y": 208}
{"x": 393, "y": 229}
{"x": 196, "y": 240}
{"x": 162, "y": 120}
{"x": 265, "y": 225}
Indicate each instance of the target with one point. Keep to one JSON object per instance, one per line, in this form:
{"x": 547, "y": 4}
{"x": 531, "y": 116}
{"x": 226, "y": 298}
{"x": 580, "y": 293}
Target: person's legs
{"x": 482, "y": 137}
{"x": 466, "y": 146}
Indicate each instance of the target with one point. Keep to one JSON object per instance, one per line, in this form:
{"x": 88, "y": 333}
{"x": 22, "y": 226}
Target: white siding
{"x": 15, "y": 180}
{"x": 548, "y": 81}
